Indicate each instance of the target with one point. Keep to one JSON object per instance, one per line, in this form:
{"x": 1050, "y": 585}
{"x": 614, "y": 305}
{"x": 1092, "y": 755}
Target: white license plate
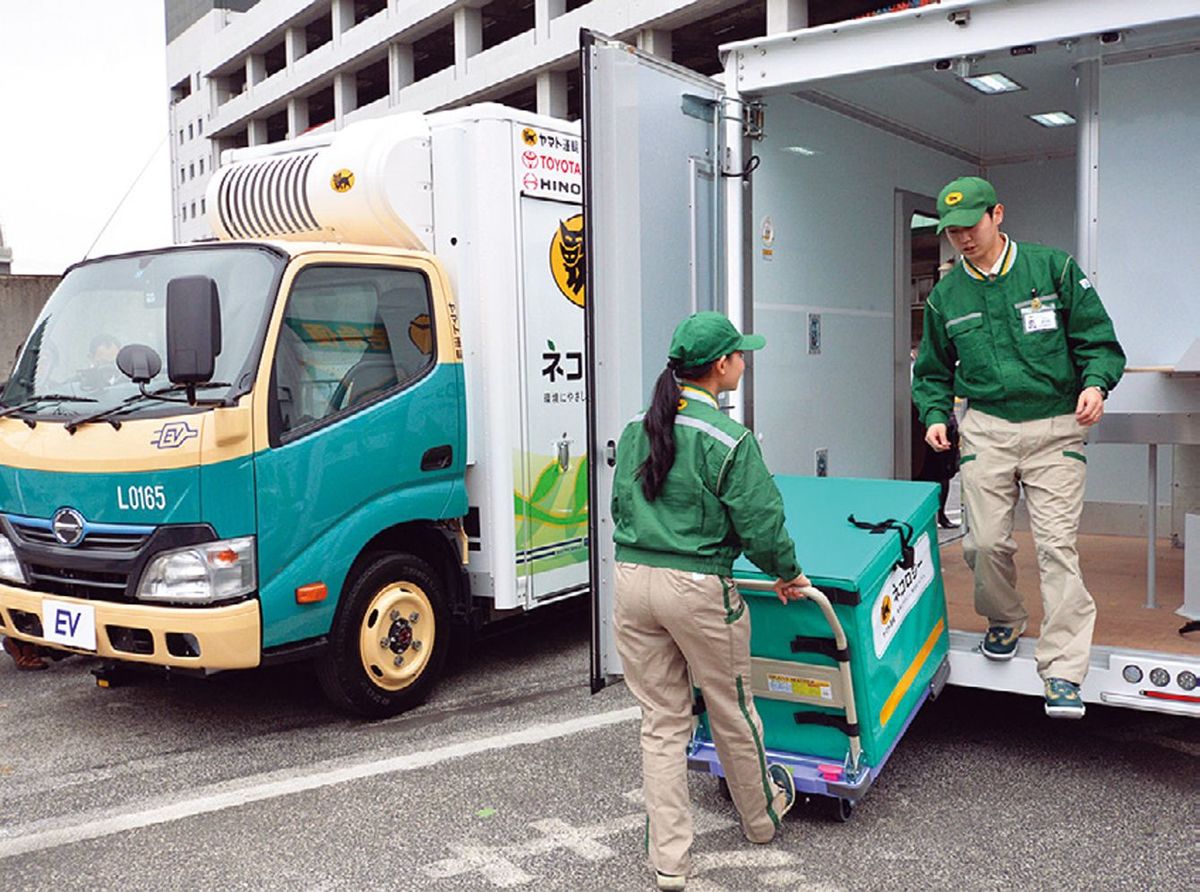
{"x": 71, "y": 624}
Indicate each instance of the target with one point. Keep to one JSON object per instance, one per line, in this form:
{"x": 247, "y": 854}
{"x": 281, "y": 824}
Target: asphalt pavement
{"x": 514, "y": 777}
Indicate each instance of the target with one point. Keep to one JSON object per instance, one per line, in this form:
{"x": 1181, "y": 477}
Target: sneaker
{"x": 783, "y": 780}
{"x": 1063, "y": 700}
{"x": 1000, "y": 643}
{"x": 670, "y": 880}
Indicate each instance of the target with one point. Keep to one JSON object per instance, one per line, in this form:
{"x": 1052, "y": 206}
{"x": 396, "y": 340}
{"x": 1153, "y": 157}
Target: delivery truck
{"x": 351, "y": 429}
{"x": 786, "y": 193}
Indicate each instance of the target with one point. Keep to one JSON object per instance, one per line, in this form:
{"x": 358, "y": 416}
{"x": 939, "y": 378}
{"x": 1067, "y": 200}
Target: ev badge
{"x": 173, "y": 434}
{"x": 67, "y": 526}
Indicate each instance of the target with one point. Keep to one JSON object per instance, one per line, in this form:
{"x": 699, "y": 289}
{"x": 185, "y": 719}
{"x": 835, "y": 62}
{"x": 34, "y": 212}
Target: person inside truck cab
{"x": 1018, "y": 329}
{"x": 102, "y": 368}
{"x": 691, "y": 492}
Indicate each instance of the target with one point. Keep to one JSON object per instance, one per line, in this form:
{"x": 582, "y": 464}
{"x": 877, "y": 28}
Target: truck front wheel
{"x": 389, "y": 639}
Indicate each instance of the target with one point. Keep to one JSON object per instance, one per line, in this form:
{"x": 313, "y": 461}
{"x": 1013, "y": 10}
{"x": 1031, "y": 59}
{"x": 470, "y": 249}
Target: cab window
{"x": 350, "y": 336}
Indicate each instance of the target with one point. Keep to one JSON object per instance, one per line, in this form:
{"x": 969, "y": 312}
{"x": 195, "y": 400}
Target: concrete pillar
{"x": 552, "y": 94}
{"x": 297, "y": 116}
{"x": 656, "y": 42}
{"x": 256, "y": 132}
{"x": 400, "y": 70}
{"x": 256, "y": 70}
{"x": 343, "y": 19}
{"x": 295, "y": 44}
{"x": 345, "y": 96}
{"x": 786, "y": 15}
{"x": 468, "y": 37}
{"x": 543, "y": 12}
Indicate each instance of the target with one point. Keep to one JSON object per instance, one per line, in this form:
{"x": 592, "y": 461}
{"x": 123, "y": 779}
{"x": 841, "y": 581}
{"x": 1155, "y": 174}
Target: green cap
{"x": 703, "y": 337}
{"x": 964, "y": 202}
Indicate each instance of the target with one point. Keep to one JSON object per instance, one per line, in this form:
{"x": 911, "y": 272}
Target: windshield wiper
{"x": 42, "y": 398}
{"x": 130, "y": 402}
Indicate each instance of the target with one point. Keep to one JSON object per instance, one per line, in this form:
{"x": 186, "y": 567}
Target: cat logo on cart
{"x": 885, "y": 610}
{"x": 529, "y": 136}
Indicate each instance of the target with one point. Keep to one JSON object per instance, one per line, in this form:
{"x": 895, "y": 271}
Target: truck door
{"x": 654, "y": 206}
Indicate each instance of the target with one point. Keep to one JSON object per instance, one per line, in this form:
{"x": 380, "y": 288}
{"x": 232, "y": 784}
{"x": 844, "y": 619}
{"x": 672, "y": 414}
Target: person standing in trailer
{"x": 1018, "y": 330}
{"x": 691, "y": 492}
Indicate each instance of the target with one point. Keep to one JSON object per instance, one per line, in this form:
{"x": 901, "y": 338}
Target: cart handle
{"x": 818, "y": 597}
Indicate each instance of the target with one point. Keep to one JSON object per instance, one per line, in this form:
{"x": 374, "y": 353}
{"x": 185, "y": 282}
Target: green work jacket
{"x": 718, "y": 500}
{"x": 1019, "y": 345}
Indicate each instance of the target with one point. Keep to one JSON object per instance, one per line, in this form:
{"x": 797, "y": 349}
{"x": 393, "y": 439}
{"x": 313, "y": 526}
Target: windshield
{"x": 70, "y": 356}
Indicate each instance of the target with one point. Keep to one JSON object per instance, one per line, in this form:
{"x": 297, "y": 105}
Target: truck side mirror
{"x": 193, "y": 329}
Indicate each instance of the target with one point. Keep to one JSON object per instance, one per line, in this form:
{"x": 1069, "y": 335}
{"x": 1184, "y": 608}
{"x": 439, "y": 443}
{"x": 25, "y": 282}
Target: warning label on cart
{"x": 799, "y": 687}
{"x": 901, "y": 590}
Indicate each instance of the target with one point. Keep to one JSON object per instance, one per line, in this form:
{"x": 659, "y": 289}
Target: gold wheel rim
{"x": 397, "y": 636}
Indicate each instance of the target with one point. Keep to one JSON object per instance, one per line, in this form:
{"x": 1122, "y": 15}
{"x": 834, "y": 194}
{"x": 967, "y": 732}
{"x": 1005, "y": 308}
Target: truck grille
{"x": 78, "y": 583}
{"x": 107, "y": 540}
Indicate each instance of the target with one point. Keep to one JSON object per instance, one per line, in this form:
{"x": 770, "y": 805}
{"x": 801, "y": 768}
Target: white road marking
{"x": 468, "y": 859}
{"x": 22, "y": 839}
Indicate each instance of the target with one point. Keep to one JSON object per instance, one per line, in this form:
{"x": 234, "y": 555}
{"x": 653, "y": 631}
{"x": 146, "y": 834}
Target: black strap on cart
{"x": 850, "y": 729}
{"x": 907, "y": 555}
{"x": 806, "y": 644}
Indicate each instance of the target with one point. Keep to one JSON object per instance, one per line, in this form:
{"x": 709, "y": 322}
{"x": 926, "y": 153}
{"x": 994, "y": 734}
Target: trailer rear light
{"x": 1132, "y": 674}
{"x": 1179, "y": 698}
{"x": 1160, "y": 677}
{"x": 1186, "y": 680}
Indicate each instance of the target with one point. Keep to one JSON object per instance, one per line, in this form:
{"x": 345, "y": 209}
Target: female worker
{"x": 691, "y": 492}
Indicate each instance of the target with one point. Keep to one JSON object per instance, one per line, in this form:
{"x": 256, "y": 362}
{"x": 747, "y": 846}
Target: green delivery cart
{"x": 838, "y": 677}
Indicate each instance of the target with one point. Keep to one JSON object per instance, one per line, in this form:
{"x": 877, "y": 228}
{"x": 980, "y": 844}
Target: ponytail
{"x": 659, "y": 425}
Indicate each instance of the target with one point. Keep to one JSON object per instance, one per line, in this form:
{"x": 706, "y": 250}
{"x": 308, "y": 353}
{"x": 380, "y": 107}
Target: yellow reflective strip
{"x": 1010, "y": 256}
{"x": 700, "y": 394}
{"x": 906, "y": 680}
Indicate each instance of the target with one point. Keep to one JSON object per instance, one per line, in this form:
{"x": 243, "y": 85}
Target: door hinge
{"x": 753, "y": 120}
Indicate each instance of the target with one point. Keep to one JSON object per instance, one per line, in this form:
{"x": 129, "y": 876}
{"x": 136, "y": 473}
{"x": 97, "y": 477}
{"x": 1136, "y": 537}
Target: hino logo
{"x": 68, "y": 526}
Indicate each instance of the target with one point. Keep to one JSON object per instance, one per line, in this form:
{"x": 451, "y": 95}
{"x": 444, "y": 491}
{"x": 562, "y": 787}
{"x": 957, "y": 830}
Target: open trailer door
{"x": 654, "y": 212}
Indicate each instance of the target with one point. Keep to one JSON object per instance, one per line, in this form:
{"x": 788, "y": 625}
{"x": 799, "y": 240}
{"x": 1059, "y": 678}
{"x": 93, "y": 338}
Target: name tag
{"x": 1039, "y": 320}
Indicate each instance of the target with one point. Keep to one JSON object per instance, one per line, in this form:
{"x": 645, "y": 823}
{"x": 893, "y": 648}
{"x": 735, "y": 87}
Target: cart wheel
{"x": 841, "y": 810}
{"x": 723, "y": 788}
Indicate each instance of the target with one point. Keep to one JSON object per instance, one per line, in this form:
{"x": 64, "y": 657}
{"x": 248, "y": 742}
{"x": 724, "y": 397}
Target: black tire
{"x": 840, "y": 810}
{"x": 392, "y": 598}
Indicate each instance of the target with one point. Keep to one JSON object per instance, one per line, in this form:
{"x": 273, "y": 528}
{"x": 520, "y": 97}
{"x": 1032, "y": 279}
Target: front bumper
{"x": 192, "y": 637}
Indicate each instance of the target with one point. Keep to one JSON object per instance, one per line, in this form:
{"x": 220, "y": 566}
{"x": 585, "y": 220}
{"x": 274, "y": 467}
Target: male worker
{"x": 1020, "y": 332}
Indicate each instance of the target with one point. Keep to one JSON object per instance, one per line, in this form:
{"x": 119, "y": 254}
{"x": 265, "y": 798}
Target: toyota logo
{"x": 68, "y": 526}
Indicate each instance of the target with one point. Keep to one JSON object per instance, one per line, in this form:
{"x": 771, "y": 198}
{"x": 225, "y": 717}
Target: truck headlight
{"x": 201, "y": 574}
{"x": 10, "y": 567}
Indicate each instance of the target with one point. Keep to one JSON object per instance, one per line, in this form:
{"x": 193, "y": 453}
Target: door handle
{"x": 437, "y": 459}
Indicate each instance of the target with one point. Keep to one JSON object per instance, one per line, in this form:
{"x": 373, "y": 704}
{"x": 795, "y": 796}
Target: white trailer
{"x": 787, "y": 194}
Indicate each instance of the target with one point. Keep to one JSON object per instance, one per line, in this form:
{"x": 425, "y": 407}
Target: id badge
{"x": 1040, "y": 320}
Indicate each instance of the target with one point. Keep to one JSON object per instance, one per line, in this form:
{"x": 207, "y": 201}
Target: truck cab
{"x": 221, "y": 455}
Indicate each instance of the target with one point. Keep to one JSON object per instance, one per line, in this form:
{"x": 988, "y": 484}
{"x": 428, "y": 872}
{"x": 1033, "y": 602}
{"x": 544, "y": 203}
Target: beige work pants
{"x": 666, "y": 622}
{"x": 1044, "y": 458}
